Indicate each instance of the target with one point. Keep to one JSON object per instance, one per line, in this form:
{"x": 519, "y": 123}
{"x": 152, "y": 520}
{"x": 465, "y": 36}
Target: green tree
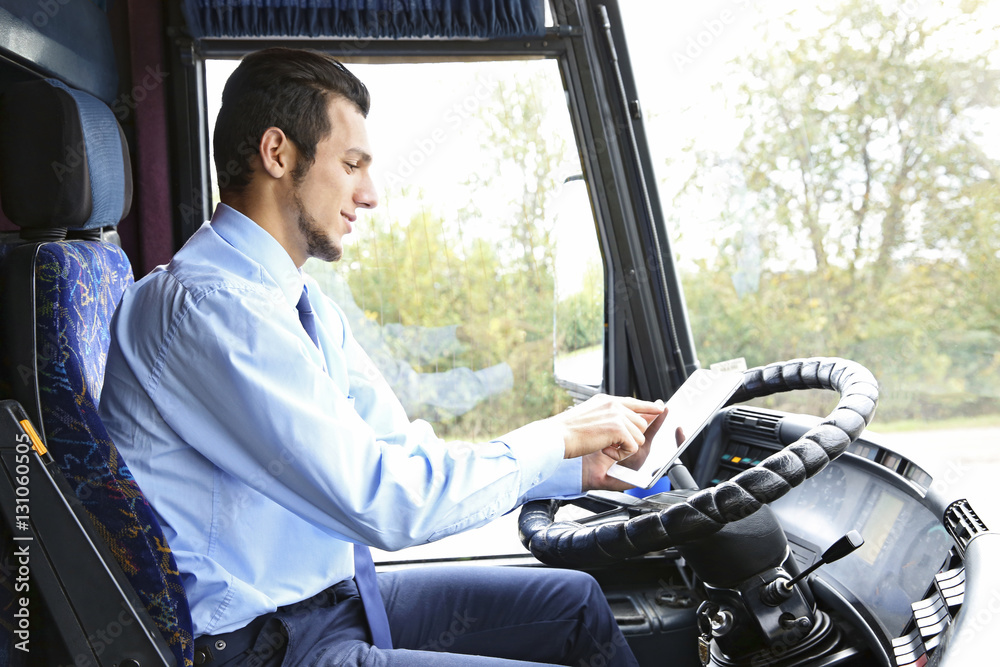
{"x": 861, "y": 216}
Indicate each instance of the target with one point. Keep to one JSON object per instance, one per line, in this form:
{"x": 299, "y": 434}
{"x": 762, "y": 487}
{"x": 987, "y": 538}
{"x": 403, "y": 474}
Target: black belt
{"x": 211, "y": 649}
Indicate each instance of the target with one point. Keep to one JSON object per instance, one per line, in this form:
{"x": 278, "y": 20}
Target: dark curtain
{"x": 365, "y": 18}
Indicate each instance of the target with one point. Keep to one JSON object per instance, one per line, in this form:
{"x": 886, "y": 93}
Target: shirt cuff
{"x": 539, "y": 450}
{"x": 566, "y": 482}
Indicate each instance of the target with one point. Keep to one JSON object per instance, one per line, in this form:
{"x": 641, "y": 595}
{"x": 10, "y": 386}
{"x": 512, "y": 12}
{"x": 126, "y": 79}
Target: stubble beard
{"x": 318, "y": 243}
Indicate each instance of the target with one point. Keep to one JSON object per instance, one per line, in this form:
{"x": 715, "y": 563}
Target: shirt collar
{"x": 253, "y": 241}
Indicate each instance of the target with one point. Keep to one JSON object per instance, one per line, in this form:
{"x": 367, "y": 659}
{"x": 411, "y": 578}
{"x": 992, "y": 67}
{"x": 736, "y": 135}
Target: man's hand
{"x": 611, "y": 425}
{"x": 596, "y": 465}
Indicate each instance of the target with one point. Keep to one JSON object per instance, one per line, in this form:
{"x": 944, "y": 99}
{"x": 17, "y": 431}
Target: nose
{"x": 365, "y": 196}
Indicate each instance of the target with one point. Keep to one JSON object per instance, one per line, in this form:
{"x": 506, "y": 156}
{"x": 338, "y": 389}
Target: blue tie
{"x": 364, "y": 567}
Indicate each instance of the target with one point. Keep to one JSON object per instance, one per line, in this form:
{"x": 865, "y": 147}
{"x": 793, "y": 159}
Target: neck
{"x": 270, "y": 216}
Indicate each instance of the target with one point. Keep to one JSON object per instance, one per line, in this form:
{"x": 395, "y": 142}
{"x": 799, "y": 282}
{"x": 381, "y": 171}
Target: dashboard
{"x": 905, "y": 544}
{"x": 893, "y": 601}
{"x": 898, "y": 600}
{"x": 869, "y": 489}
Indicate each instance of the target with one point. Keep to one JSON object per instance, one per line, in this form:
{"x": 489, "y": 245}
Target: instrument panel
{"x": 905, "y": 544}
{"x": 869, "y": 490}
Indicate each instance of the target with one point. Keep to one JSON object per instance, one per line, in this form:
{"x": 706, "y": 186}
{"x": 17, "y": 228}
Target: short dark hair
{"x": 278, "y": 87}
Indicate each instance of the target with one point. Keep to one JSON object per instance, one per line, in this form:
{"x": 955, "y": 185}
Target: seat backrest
{"x": 65, "y": 176}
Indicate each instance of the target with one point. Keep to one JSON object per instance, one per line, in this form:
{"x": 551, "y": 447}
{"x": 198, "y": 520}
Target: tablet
{"x": 689, "y": 409}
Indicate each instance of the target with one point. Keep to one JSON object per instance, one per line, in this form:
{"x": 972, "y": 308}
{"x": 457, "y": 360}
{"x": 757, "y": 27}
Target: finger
{"x": 642, "y": 407}
{"x": 611, "y": 411}
{"x": 611, "y": 451}
{"x": 620, "y": 451}
{"x": 639, "y": 420}
{"x": 602, "y": 421}
{"x": 650, "y": 418}
{"x": 616, "y": 452}
{"x": 631, "y": 443}
{"x": 635, "y": 428}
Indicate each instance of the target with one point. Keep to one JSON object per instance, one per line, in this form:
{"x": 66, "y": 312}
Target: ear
{"x": 276, "y": 152}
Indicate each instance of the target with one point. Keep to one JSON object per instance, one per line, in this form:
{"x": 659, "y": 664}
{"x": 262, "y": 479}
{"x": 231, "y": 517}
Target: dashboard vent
{"x": 963, "y": 523}
{"x": 751, "y": 425}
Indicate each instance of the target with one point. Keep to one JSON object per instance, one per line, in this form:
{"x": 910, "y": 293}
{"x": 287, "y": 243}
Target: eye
{"x": 351, "y": 167}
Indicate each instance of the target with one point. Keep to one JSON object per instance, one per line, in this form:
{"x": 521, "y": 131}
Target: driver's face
{"x": 324, "y": 201}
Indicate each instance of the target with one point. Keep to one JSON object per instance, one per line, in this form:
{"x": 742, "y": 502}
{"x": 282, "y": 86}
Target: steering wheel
{"x": 572, "y": 544}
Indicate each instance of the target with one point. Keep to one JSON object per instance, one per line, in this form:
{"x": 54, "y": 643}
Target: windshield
{"x": 830, "y": 176}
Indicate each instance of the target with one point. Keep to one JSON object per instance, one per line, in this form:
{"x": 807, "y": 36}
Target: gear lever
{"x": 781, "y": 588}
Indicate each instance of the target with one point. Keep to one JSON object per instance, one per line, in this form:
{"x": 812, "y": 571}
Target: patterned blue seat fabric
{"x": 76, "y": 285}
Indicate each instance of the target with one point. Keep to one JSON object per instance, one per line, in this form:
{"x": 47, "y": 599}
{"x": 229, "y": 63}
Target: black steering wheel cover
{"x": 567, "y": 543}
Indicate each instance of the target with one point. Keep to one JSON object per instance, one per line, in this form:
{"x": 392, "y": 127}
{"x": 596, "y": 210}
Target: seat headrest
{"x": 63, "y": 159}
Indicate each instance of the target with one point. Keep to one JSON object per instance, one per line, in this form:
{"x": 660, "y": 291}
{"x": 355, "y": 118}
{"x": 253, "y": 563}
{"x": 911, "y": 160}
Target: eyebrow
{"x": 362, "y": 155}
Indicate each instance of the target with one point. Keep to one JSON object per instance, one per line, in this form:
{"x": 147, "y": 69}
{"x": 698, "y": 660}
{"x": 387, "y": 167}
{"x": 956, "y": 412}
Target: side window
{"x": 477, "y": 284}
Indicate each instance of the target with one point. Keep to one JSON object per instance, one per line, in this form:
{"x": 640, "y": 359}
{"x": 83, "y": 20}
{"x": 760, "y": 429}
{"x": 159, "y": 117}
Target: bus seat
{"x": 64, "y": 176}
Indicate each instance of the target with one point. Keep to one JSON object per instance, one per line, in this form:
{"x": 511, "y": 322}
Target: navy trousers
{"x": 450, "y": 617}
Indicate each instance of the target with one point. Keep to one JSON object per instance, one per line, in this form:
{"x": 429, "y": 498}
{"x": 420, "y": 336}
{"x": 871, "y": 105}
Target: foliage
{"x": 861, "y": 216}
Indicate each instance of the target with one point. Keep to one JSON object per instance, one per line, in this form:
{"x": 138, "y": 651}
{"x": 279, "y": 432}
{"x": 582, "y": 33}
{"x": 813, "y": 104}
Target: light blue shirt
{"x": 264, "y": 456}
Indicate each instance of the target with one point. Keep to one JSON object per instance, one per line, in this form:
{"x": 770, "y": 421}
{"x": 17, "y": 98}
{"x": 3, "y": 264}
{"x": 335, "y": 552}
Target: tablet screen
{"x": 689, "y": 409}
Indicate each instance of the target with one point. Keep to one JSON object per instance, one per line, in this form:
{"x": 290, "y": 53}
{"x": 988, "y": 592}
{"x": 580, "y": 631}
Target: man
{"x": 268, "y": 443}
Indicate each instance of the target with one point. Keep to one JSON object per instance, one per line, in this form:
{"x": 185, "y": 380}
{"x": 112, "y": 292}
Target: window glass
{"x": 829, "y": 173}
{"x": 476, "y": 285}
